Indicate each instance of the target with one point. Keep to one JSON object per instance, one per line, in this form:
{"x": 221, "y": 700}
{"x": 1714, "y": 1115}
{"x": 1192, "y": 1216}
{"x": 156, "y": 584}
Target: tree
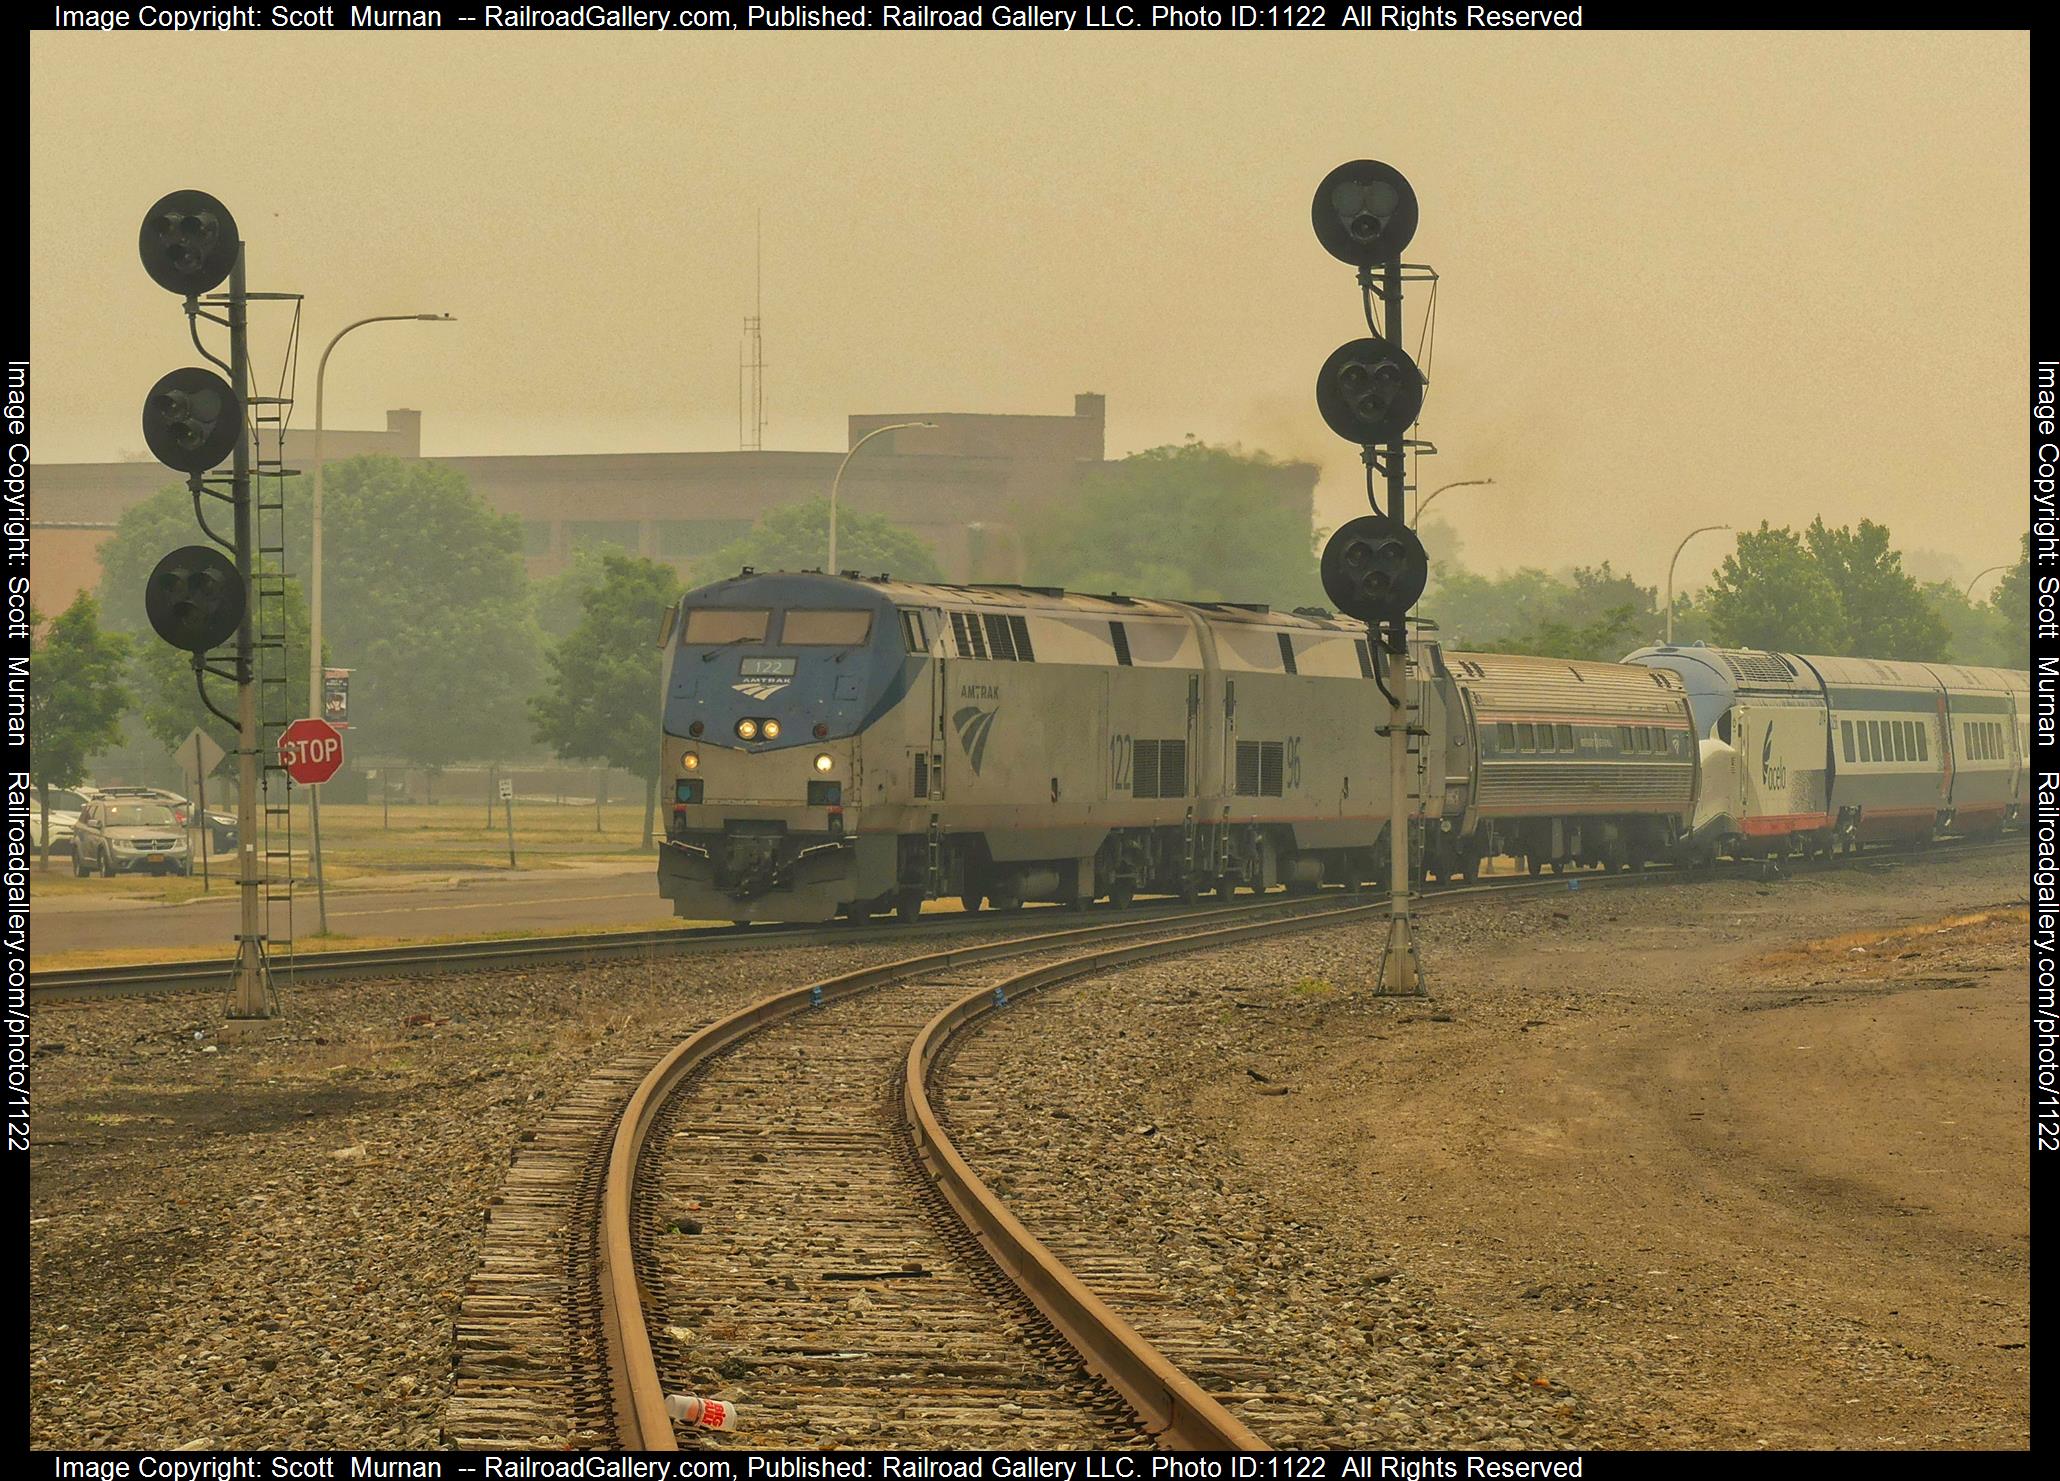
{"x": 1771, "y": 593}
{"x": 1189, "y": 523}
{"x": 1886, "y": 615}
{"x": 2011, "y": 600}
{"x": 428, "y": 601}
{"x": 77, "y": 693}
{"x": 1591, "y": 612}
{"x": 1978, "y": 634}
{"x": 556, "y": 600}
{"x": 601, "y": 695}
{"x": 425, "y": 598}
{"x": 796, "y": 537}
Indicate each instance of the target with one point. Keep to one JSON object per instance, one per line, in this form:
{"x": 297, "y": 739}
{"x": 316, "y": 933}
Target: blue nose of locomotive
{"x": 766, "y": 661}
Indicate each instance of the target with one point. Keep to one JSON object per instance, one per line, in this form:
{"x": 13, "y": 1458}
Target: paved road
{"x": 441, "y": 905}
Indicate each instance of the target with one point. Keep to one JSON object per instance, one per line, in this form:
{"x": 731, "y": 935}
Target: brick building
{"x": 966, "y": 486}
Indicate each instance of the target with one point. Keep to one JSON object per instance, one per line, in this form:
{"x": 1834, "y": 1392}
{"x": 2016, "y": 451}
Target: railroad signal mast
{"x": 1374, "y": 568}
{"x": 198, "y": 598}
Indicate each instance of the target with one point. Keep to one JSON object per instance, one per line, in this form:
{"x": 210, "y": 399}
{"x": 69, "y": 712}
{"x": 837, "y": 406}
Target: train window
{"x": 1566, "y": 737}
{"x": 818, "y": 628}
{"x": 1287, "y": 652}
{"x": 1624, "y": 739}
{"x": 1845, "y": 731}
{"x": 1019, "y": 629}
{"x": 1900, "y": 742}
{"x": 1866, "y": 743}
{"x": 1526, "y": 738}
{"x": 1880, "y": 751}
{"x": 1923, "y": 742}
{"x": 711, "y": 625}
{"x": 915, "y": 633}
{"x": 1122, "y": 641}
{"x": 1505, "y": 736}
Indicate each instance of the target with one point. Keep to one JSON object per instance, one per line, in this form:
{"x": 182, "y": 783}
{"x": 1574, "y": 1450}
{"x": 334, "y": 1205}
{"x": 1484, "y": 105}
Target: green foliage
{"x": 796, "y": 537}
{"x": 77, "y": 692}
{"x": 2011, "y": 600}
{"x": 1976, "y": 634}
{"x": 428, "y": 601}
{"x": 601, "y": 699}
{"x": 425, "y": 597}
{"x": 1772, "y": 593}
{"x": 1189, "y": 523}
{"x": 558, "y": 600}
{"x": 1886, "y": 614}
{"x": 1592, "y": 612}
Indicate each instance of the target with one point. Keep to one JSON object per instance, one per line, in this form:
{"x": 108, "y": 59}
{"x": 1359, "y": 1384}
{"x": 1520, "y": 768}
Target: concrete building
{"x": 968, "y": 487}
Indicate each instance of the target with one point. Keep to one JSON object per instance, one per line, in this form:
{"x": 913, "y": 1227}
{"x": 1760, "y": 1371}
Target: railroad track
{"x": 775, "y": 1204}
{"x": 150, "y": 978}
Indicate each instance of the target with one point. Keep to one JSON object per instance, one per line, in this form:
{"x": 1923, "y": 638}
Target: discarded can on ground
{"x": 710, "y": 1414}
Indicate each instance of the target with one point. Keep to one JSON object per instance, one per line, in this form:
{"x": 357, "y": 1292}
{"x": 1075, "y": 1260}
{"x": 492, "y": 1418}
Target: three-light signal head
{"x": 1369, "y": 391}
{"x": 191, "y": 420}
{"x": 1374, "y": 569}
{"x": 1364, "y": 213}
{"x": 194, "y": 598}
{"x": 189, "y": 242}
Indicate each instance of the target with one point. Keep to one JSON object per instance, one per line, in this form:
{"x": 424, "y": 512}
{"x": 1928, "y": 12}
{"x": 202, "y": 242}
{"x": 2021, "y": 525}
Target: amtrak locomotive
{"x": 843, "y": 746}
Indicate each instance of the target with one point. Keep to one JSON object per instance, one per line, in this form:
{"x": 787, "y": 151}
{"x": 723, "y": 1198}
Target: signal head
{"x": 1369, "y": 391}
{"x": 188, "y": 242}
{"x": 1374, "y": 569}
{"x": 1364, "y": 213}
{"x": 191, "y": 420}
{"x": 194, "y": 598}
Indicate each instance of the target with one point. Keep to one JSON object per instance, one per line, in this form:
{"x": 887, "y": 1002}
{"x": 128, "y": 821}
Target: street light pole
{"x": 891, "y": 427}
{"x": 315, "y": 602}
{"x": 1705, "y": 529}
{"x": 1425, "y": 502}
{"x": 1977, "y": 577}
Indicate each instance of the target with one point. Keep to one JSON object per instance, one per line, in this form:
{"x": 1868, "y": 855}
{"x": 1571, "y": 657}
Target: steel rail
{"x": 641, "y": 1420}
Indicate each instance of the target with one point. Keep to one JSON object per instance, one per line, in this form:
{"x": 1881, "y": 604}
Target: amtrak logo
{"x": 762, "y": 688}
{"x": 972, "y": 724}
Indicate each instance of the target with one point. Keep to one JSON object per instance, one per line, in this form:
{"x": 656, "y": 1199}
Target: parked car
{"x": 61, "y": 824}
{"x": 124, "y": 835}
{"x": 181, "y": 808}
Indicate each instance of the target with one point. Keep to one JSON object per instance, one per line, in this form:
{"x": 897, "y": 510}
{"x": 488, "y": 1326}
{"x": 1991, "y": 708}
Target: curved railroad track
{"x": 775, "y": 1204}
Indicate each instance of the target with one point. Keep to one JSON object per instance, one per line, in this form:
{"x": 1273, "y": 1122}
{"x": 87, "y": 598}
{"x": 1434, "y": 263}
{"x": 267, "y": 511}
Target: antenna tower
{"x": 751, "y": 360}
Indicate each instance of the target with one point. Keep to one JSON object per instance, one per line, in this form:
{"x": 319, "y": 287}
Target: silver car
{"x": 122, "y": 836}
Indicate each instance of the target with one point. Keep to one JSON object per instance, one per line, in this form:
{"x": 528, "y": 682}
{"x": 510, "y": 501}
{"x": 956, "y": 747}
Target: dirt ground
{"x": 1750, "y": 1169}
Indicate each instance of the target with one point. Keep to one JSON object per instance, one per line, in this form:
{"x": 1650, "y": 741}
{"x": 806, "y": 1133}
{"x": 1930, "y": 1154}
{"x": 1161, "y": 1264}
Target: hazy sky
{"x": 1686, "y": 277}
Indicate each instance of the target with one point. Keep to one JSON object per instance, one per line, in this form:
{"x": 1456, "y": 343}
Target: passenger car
{"x": 120, "y": 835}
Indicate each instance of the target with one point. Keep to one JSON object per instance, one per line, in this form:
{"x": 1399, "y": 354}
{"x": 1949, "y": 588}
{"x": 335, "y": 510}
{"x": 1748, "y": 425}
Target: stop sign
{"x": 311, "y": 751}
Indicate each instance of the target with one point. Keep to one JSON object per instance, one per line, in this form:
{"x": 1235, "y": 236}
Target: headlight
{"x": 823, "y": 762}
{"x": 747, "y": 730}
{"x": 690, "y": 762}
{"x": 772, "y": 730}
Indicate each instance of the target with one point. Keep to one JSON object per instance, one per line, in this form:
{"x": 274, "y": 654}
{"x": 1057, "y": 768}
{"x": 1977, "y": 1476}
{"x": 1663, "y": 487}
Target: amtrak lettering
{"x": 979, "y": 691}
{"x": 973, "y": 725}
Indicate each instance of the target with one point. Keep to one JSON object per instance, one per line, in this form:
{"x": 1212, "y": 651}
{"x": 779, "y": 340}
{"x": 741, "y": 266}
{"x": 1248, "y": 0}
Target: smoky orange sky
{"x": 1687, "y": 277}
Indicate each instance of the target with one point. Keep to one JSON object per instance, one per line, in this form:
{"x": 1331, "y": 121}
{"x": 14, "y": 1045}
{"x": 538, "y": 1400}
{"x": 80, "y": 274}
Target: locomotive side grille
{"x": 1259, "y": 768}
{"x": 1158, "y": 768}
{"x": 1583, "y": 786}
{"x": 922, "y": 778}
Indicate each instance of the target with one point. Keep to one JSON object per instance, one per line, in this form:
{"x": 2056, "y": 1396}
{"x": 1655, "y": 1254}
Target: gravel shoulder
{"x": 264, "y": 1244}
{"x": 1725, "y": 1164}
